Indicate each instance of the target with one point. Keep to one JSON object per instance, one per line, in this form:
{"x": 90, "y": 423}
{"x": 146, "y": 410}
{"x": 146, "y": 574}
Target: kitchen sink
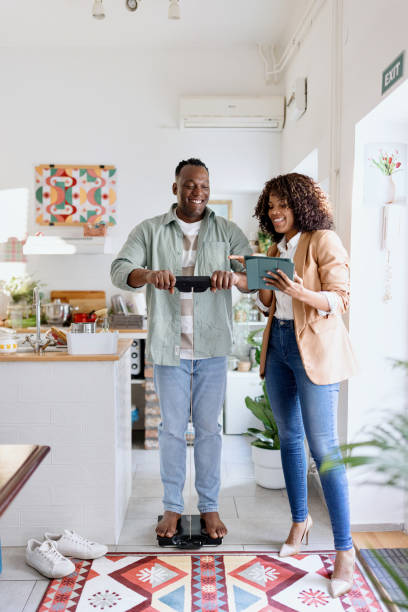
{"x": 54, "y": 349}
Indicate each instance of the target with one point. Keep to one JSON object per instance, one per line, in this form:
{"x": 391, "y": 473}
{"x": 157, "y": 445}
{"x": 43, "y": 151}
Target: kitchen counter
{"x": 32, "y": 330}
{"x": 62, "y": 355}
{"x": 79, "y": 406}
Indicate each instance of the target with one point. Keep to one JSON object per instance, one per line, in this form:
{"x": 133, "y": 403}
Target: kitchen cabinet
{"x": 136, "y": 376}
{"x": 79, "y": 406}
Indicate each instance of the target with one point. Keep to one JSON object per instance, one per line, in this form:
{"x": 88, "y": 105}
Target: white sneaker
{"x": 71, "y": 544}
{"x": 46, "y": 559}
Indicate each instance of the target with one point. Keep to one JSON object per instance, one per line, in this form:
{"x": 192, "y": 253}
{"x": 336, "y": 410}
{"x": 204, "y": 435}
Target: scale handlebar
{"x": 186, "y": 284}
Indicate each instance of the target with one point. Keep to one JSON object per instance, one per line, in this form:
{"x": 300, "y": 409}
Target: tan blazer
{"x": 324, "y": 344}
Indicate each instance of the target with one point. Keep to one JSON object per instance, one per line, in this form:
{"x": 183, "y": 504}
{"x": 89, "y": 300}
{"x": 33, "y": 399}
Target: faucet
{"x": 37, "y": 343}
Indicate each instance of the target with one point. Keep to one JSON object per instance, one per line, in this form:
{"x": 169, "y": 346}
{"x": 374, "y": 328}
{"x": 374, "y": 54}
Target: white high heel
{"x": 288, "y": 550}
{"x": 338, "y": 587}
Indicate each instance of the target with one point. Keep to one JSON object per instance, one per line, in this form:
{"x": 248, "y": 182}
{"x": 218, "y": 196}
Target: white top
{"x": 284, "y": 308}
{"x": 190, "y": 237}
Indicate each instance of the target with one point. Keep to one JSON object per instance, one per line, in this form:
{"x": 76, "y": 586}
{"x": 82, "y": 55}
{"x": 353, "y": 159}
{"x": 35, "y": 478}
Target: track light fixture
{"x": 132, "y": 5}
{"x": 97, "y": 9}
{"x": 174, "y": 9}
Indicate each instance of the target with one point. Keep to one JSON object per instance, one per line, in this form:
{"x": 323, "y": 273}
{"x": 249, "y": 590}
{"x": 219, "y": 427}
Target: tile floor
{"x": 257, "y": 519}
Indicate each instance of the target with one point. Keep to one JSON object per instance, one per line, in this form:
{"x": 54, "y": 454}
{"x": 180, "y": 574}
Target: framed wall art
{"x": 75, "y": 195}
{"x": 222, "y": 208}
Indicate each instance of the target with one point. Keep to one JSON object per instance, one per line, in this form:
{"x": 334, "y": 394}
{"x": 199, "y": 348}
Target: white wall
{"x": 370, "y": 40}
{"x": 365, "y": 55}
{"x": 121, "y": 107}
{"x": 311, "y": 131}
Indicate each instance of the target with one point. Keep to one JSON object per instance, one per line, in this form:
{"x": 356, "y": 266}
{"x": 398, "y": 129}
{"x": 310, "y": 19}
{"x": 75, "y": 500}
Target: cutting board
{"x": 85, "y": 300}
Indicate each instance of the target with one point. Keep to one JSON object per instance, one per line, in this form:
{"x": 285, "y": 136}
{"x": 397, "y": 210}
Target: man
{"x": 189, "y": 240}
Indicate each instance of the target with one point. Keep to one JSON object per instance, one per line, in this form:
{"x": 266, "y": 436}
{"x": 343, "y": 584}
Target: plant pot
{"x": 268, "y": 468}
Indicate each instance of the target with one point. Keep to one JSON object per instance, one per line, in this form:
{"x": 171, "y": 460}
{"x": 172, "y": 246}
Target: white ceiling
{"x": 204, "y": 23}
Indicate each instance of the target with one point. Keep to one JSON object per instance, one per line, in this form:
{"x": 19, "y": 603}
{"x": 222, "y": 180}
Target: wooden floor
{"x": 380, "y": 539}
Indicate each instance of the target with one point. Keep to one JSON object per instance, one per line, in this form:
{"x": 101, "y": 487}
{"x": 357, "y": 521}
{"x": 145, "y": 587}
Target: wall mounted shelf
{"x": 57, "y": 245}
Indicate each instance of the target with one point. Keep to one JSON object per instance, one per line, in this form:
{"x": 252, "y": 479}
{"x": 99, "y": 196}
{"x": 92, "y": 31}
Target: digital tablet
{"x": 257, "y": 267}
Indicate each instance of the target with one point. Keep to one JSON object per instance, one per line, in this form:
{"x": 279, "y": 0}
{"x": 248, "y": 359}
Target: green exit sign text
{"x": 392, "y": 73}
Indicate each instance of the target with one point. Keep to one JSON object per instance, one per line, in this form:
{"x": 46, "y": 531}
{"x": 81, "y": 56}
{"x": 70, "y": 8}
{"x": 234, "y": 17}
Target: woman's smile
{"x": 280, "y": 215}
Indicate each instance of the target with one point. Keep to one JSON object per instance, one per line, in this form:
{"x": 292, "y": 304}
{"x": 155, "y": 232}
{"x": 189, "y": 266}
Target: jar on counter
{"x": 254, "y": 313}
{"x": 83, "y": 328}
{"x": 8, "y": 341}
{"x": 15, "y": 314}
{"x": 242, "y": 309}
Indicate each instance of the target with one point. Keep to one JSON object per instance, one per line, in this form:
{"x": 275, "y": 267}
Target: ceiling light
{"x": 97, "y": 9}
{"x": 174, "y": 9}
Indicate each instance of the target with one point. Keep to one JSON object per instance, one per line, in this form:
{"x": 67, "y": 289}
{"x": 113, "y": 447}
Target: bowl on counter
{"x": 57, "y": 312}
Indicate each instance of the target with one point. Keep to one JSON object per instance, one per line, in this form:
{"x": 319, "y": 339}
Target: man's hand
{"x": 222, "y": 279}
{"x": 161, "y": 279}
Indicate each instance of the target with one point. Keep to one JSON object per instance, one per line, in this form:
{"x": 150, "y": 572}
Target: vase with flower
{"x": 388, "y": 164}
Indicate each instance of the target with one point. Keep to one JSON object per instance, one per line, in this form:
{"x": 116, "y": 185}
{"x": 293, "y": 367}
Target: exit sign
{"x": 392, "y": 73}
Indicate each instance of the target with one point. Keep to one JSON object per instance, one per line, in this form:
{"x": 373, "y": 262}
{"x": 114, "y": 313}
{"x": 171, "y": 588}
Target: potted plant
{"x": 266, "y": 446}
{"x": 20, "y": 289}
{"x": 264, "y": 242}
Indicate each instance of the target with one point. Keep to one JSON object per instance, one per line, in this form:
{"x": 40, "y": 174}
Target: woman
{"x": 306, "y": 352}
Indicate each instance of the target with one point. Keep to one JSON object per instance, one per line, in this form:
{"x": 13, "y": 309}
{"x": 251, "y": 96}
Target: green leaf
{"x": 260, "y": 444}
{"x": 255, "y": 338}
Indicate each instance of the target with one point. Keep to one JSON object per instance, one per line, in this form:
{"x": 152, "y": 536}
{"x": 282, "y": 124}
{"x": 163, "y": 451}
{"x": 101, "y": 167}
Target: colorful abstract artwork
{"x": 231, "y": 582}
{"x": 75, "y": 195}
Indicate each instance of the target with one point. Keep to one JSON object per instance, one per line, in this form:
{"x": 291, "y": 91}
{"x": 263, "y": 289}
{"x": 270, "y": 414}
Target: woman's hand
{"x": 296, "y": 290}
{"x": 281, "y": 281}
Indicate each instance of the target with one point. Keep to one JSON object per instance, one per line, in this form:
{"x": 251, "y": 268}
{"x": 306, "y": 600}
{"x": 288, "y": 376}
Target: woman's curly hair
{"x": 310, "y": 206}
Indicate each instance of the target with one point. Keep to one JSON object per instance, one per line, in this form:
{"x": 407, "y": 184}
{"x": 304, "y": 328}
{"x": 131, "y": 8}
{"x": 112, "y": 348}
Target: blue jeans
{"x": 172, "y": 385}
{"x": 300, "y": 406}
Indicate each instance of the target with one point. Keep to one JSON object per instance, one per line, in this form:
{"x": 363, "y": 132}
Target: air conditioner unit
{"x": 260, "y": 112}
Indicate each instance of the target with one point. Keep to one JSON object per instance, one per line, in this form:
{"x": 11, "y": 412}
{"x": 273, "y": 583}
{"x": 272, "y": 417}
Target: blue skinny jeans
{"x": 301, "y": 407}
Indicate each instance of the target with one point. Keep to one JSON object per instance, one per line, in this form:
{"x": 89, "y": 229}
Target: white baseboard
{"x": 377, "y": 527}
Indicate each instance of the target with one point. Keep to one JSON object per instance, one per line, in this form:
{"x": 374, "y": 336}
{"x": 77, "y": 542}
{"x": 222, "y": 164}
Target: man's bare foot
{"x": 167, "y": 526}
{"x": 214, "y": 525}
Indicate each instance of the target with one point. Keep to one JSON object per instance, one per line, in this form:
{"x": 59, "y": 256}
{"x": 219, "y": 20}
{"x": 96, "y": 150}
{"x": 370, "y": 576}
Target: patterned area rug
{"x": 202, "y": 582}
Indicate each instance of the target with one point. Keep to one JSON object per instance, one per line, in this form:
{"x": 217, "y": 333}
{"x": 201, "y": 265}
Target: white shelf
{"x": 254, "y": 373}
{"x": 57, "y": 245}
{"x": 259, "y": 323}
{"x": 137, "y": 381}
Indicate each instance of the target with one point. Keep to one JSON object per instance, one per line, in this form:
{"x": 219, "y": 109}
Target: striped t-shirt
{"x": 190, "y": 238}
